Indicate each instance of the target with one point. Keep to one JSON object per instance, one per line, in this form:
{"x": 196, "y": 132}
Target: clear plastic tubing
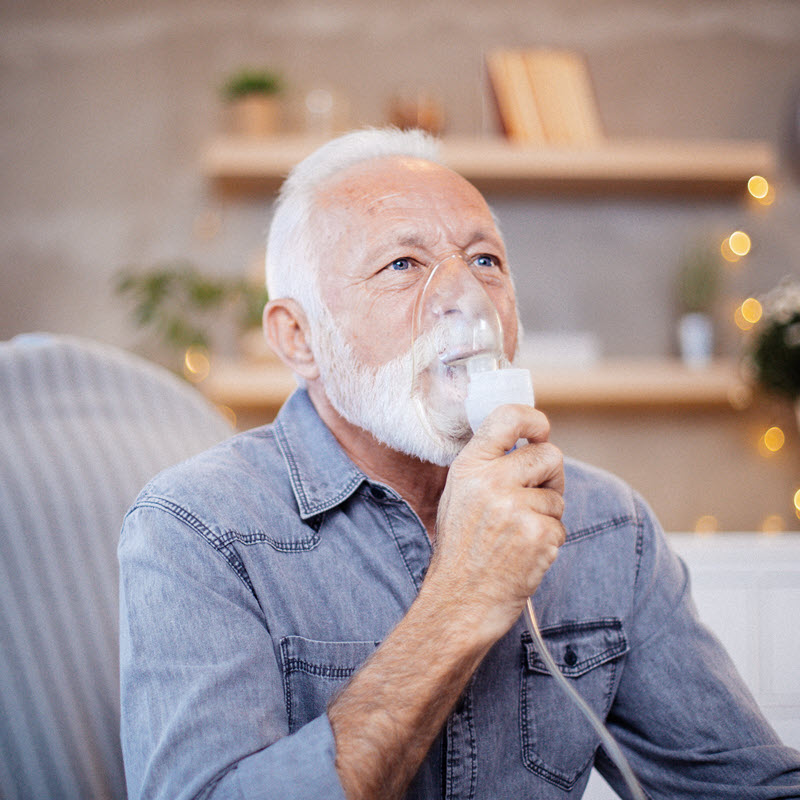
{"x": 489, "y": 388}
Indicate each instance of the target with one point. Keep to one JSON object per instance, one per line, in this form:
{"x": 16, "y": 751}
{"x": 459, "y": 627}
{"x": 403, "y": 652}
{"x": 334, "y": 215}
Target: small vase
{"x": 696, "y": 337}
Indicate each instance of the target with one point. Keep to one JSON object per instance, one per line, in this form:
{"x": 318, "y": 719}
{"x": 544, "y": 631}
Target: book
{"x": 544, "y": 96}
{"x": 508, "y": 75}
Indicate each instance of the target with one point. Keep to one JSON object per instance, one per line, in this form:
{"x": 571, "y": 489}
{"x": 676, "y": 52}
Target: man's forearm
{"x": 387, "y": 717}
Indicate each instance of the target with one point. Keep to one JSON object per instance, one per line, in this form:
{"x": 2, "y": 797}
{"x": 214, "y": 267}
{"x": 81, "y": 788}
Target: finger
{"x": 545, "y": 502}
{"x": 540, "y": 464}
{"x": 505, "y": 426}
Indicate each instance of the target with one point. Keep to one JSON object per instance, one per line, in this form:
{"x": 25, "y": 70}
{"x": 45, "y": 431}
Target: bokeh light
{"x": 761, "y": 190}
{"x": 758, "y": 187}
{"x": 707, "y": 523}
{"x": 773, "y": 439}
{"x": 196, "y": 363}
{"x": 773, "y": 523}
{"x": 752, "y": 310}
{"x": 228, "y": 413}
{"x": 739, "y": 243}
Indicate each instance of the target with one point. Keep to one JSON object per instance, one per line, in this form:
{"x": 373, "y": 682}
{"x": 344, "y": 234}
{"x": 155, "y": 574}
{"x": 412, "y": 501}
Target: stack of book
{"x": 544, "y": 97}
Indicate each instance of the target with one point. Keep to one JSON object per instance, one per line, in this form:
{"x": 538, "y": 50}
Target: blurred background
{"x": 110, "y": 112}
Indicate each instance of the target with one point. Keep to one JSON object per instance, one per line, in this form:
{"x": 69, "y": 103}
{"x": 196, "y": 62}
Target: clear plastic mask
{"x": 456, "y": 332}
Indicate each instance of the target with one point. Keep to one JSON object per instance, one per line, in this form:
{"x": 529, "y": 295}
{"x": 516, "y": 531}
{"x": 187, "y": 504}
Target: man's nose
{"x": 450, "y": 285}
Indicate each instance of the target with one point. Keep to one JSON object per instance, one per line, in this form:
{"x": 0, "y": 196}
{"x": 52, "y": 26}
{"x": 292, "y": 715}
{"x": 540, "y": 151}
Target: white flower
{"x": 783, "y": 302}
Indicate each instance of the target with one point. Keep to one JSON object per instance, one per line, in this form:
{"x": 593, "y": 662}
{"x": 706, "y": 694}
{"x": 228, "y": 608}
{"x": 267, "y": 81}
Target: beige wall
{"x": 106, "y": 109}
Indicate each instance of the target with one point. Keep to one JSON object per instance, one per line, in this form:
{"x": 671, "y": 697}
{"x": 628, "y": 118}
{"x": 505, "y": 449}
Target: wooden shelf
{"x": 252, "y": 386}
{"x": 701, "y": 168}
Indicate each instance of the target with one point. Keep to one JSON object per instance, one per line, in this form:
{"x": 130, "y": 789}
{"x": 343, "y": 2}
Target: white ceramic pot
{"x": 696, "y": 338}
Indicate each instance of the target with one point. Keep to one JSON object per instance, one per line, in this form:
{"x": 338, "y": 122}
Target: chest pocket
{"x": 314, "y": 671}
{"x": 558, "y": 743}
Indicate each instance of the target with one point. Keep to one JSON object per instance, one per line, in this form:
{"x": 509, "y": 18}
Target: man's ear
{"x": 287, "y": 333}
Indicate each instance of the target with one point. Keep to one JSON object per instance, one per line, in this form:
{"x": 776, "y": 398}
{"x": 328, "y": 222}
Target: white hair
{"x": 292, "y": 251}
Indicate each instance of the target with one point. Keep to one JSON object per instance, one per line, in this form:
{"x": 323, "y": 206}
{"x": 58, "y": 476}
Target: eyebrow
{"x": 412, "y": 239}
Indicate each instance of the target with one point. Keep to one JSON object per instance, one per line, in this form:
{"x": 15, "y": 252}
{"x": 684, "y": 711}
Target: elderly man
{"x": 330, "y": 606}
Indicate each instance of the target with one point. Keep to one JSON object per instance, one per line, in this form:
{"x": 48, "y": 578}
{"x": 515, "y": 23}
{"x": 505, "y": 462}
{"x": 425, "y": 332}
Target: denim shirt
{"x": 257, "y": 577}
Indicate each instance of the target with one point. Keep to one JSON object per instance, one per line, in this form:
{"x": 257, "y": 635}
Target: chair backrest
{"x": 83, "y": 426}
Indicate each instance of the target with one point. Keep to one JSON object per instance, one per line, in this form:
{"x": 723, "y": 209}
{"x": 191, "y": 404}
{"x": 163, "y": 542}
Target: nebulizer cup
{"x": 460, "y": 370}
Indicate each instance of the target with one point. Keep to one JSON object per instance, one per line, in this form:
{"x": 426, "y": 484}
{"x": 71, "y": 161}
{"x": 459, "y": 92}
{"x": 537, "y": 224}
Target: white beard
{"x": 381, "y": 400}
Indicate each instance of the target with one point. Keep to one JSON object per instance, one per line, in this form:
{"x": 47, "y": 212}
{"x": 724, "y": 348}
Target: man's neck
{"x": 419, "y": 483}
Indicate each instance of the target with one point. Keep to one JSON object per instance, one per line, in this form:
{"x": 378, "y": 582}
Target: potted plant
{"x": 775, "y": 350}
{"x": 254, "y": 99}
{"x": 698, "y": 285}
{"x": 184, "y": 307}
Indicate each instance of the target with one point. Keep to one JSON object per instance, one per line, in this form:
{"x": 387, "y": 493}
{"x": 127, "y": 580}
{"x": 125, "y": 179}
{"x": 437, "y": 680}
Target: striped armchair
{"x": 83, "y": 426}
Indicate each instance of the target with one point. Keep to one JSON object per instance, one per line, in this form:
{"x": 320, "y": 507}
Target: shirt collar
{"x": 321, "y": 474}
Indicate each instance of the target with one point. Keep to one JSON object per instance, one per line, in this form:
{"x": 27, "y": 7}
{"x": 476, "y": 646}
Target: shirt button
{"x": 570, "y": 656}
{"x": 377, "y": 492}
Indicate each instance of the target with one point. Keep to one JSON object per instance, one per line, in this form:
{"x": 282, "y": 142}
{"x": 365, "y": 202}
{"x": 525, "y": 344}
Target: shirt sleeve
{"x": 203, "y": 710}
{"x": 682, "y": 714}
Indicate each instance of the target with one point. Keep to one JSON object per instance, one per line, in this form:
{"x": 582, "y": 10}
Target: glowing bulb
{"x": 758, "y": 187}
{"x": 741, "y": 322}
{"x": 707, "y": 523}
{"x": 797, "y": 500}
{"x": 769, "y": 197}
{"x": 772, "y": 523}
{"x": 727, "y": 253}
{"x": 751, "y": 310}
{"x": 773, "y": 439}
{"x": 739, "y": 242}
{"x": 196, "y": 364}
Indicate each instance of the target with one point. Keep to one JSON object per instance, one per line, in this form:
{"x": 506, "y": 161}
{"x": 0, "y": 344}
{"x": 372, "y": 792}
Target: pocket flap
{"x": 577, "y": 647}
{"x": 337, "y": 660}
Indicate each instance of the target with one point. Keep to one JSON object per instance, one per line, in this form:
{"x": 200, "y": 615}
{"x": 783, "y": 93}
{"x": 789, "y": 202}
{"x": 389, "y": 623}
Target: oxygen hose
{"x": 488, "y": 389}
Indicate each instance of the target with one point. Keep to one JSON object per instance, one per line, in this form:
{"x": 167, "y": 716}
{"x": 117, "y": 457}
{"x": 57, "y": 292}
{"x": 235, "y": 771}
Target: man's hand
{"x": 498, "y": 527}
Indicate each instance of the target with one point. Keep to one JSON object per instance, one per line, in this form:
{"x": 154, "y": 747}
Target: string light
{"x": 773, "y": 523}
{"x": 739, "y": 242}
{"x": 761, "y": 190}
{"x": 747, "y": 314}
{"x": 758, "y": 187}
{"x": 752, "y": 310}
{"x": 773, "y": 439}
{"x": 797, "y": 502}
{"x": 708, "y": 523}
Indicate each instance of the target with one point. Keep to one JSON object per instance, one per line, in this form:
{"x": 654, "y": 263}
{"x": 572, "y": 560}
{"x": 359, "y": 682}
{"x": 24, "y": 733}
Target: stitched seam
{"x": 247, "y": 539}
{"x": 223, "y": 548}
{"x": 394, "y": 536}
{"x": 600, "y": 527}
{"x": 639, "y": 545}
{"x": 287, "y": 686}
{"x": 297, "y": 481}
{"x": 473, "y": 774}
{"x": 319, "y": 670}
{"x": 586, "y": 666}
{"x": 294, "y": 473}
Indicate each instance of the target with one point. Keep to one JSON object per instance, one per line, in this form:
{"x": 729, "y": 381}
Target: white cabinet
{"x": 747, "y": 590}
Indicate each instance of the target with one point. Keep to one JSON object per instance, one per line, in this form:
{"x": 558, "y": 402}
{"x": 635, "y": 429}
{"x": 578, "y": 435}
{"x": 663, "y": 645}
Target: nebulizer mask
{"x": 460, "y": 374}
{"x": 460, "y": 371}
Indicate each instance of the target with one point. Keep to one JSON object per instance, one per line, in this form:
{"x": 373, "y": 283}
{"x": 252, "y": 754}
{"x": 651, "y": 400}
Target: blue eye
{"x": 400, "y": 264}
{"x": 485, "y": 260}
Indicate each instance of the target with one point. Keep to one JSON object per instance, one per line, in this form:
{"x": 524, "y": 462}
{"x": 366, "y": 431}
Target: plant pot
{"x": 256, "y": 116}
{"x": 696, "y": 338}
